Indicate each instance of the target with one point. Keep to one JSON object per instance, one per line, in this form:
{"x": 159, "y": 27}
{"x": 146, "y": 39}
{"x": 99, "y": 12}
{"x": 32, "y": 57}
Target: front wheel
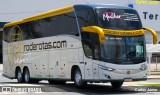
{"x": 117, "y": 85}
{"x": 78, "y": 78}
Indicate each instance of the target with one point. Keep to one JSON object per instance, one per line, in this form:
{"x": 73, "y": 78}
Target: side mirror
{"x": 95, "y": 29}
{"x": 153, "y": 33}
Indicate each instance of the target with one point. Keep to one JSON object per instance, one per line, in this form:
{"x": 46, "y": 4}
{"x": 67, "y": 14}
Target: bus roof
{"x": 42, "y": 15}
{"x": 105, "y": 6}
{"x": 62, "y": 11}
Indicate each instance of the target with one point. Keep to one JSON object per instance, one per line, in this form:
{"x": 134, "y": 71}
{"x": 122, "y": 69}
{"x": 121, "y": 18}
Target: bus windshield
{"x": 118, "y": 19}
{"x": 123, "y": 50}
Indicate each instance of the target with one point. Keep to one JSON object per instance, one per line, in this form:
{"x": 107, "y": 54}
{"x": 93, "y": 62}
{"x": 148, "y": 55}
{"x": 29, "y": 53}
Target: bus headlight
{"x": 143, "y": 67}
{"x": 106, "y": 68}
{"x": 110, "y": 69}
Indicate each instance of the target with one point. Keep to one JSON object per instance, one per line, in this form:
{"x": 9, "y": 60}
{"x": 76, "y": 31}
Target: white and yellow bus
{"x": 81, "y": 43}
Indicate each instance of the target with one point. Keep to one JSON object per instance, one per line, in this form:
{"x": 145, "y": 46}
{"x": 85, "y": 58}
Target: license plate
{"x": 127, "y": 79}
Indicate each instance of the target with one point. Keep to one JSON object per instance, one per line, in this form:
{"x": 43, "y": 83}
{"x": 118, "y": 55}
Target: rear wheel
{"x": 26, "y": 76}
{"x": 78, "y": 78}
{"x": 19, "y": 76}
{"x": 116, "y": 85}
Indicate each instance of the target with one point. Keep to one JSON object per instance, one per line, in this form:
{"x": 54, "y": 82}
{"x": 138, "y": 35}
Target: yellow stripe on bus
{"x": 123, "y": 32}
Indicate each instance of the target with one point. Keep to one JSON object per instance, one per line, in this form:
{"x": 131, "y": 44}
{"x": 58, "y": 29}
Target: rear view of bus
{"x": 114, "y": 43}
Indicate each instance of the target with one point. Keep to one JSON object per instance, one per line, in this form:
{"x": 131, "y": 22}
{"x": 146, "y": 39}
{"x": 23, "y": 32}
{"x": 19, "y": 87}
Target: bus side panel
{"x": 64, "y": 63}
{"x": 88, "y": 68}
{"x": 76, "y": 59}
{"x": 33, "y": 60}
{"x": 8, "y": 66}
{"x": 54, "y": 64}
{"x": 43, "y": 64}
{"x": 5, "y": 60}
{"x": 81, "y": 61}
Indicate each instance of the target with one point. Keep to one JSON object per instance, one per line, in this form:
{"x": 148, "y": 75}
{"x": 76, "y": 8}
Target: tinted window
{"x": 57, "y": 25}
{"x": 116, "y": 19}
{"x": 12, "y": 34}
{"x": 91, "y": 44}
{"x": 6, "y": 34}
{"x": 27, "y": 30}
{"x": 85, "y": 16}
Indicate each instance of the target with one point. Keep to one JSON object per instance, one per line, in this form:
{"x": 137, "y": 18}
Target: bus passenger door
{"x": 95, "y": 70}
{"x": 87, "y": 46}
{"x": 91, "y": 48}
{"x": 96, "y": 57}
{"x": 88, "y": 68}
{"x": 91, "y": 61}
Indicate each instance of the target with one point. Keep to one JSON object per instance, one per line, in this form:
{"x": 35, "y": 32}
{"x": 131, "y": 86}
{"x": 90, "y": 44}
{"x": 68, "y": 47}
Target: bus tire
{"x": 19, "y": 76}
{"x": 78, "y": 78}
{"x": 26, "y": 76}
{"x": 117, "y": 85}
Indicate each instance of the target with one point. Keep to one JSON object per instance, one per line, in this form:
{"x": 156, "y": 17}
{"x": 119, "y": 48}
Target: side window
{"x": 63, "y": 24}
{"x": 39, "y": 28}
{"x": 57, "y": 25}
{"x": 85, "y": 16}
{"x": 91, "y": 45}
{"x": 70, "y": 24}
{"x": 96, "y": 50}
{"x": 26, "y": 31}
{"x": 87, "y": 46}
{"x": 91, "y": 49}
{"x": 12, "y": 35}
{"x": 6, "y": 34}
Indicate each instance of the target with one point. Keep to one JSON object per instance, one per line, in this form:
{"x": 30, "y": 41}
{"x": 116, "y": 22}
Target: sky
{"x": 12, "y": 10}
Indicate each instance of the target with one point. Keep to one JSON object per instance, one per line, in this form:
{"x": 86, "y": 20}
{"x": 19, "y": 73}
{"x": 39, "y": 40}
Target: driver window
{"x": 96, "y": 51}
{"x": 88, "y": 49}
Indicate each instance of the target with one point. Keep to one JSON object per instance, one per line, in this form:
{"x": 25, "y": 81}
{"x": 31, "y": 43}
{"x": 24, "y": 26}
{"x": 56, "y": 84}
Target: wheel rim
{"x": 26, "y": 75}
{"x": 78, "y": 78}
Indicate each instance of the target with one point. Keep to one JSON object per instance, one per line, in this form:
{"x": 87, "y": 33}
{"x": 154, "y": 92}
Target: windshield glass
{"x": 118, "y": 19}
{"x": 123, "y": 49}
